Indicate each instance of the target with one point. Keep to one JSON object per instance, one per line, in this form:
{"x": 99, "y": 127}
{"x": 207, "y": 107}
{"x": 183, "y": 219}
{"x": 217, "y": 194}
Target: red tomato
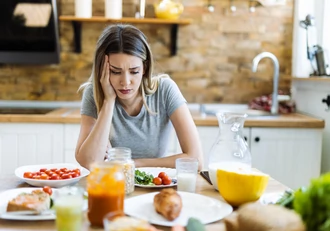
{"x": 58, "y": 171}
{"x": 36, "y": 177}
{"x": 162, "y": 175}
{"x": 48, "y": 171}
{"x": 73, "y": 174}
{"x": 157, "y": 181}
{"x": 44, "y": 176}
{"x": 77, "y": 170}
{"x": 55, "y": 177}
{"x": 42, "y": 169}
{"x": 167, "y": 180}
{"x": 64, "y": 169}
{"x": 53, "y": 169}
{"x": 28, "y": 175}
{"x": 66, "y": 176}
{"x": 47, "y": 190}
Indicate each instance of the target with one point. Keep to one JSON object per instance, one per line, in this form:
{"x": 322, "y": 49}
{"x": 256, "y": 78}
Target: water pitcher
{"x": 230, "y": 148}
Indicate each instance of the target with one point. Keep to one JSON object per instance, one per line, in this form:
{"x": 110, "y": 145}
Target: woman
{"x": 123, "y": 105}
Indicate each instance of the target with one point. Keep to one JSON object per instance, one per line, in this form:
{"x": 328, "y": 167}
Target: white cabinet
{"x": 308, "y": 96}
{"x": 71, "y": 134}
{"x": 29, "y": 143}
{"x": 289, "y": 155}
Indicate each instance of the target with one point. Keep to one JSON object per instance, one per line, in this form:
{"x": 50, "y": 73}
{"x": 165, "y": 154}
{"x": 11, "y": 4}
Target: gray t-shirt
{"x": 145, "y": 134}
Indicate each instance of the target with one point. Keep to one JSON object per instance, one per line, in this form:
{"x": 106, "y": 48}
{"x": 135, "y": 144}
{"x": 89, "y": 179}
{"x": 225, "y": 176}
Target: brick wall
{"x": 213, "y": 62}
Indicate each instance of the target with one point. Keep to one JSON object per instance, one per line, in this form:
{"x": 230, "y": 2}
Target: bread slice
{"x": 37, "y": 201}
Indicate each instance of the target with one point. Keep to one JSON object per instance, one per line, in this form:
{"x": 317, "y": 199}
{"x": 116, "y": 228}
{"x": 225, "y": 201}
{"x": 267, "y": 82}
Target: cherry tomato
{"x": 77, "y": 170}
{"x": 47, "y": 190}
{"x": 42, "y": 169}
{"x": 157, "y": 181}
{"x": 64, "y": 169}
{"x": 54, "y": 177}
{"x": 73, "y": 174}
{"x": 28, "y": 175}
{"x": 66, "y": 176}
{"x": 53, "y": 169}
{"x": 162, "y": 174}
{"x": 44, "y": 176}
{"x": 48, "y": 171}
{"x": 167, "y": 180}
{"x": 36, "y": 177}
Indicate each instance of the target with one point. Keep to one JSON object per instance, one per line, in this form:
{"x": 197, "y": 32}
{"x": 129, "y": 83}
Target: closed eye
{"x": 115, "y": 72}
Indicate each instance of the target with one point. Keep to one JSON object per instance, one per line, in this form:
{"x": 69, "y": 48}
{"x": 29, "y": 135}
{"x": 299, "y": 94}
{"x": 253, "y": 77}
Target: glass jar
{"x": 230, "y": 149}
{"x": 123, "y": 156}
{"x": 106, "y": 191}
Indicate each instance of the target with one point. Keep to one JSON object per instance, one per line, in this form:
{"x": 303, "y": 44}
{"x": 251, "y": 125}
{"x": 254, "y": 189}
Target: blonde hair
{"x": 129, "y": 40}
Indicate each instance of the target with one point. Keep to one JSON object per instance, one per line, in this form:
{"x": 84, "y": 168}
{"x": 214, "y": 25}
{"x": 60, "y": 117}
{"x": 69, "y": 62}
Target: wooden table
{"x": 203, "y": 188}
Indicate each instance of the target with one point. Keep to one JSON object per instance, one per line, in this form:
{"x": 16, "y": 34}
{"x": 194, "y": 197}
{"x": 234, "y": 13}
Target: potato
{"x": 257, "y": 217}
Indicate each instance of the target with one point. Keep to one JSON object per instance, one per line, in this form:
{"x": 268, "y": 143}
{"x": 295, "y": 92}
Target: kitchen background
{"x": 214, "y": 54}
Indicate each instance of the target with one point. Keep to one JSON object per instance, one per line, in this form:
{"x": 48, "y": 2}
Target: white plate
{"x": 6, "y": 196}
{"x": 270, "y": 198}
{"x": 171, "y": 172}
{"x": 51, "y": 183}
{"x": 204, "y": 208}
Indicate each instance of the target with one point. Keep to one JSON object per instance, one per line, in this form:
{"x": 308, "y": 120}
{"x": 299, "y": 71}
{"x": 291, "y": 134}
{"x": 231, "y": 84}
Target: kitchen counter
{"x": 72, "y": 115}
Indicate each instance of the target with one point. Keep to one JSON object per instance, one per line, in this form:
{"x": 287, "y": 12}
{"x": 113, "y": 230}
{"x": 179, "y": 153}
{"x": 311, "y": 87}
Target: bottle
{"x": 106, "y": 191}
{"x": 230, "y": 150}
{"x": 123, "y": 156}
{"x": 113, "y": 9}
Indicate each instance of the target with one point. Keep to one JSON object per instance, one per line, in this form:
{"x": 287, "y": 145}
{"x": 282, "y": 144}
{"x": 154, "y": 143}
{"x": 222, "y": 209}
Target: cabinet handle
{"x": 245, "y": 138}
{"x": 257, "y": 139}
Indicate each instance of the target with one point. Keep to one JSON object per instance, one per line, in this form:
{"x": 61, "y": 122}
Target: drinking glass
{"x": 68, "y": 204}
{"x": 186, "y": 172}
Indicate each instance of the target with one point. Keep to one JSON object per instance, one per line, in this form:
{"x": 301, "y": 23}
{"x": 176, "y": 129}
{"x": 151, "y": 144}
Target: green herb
{"x": 286, "y": 200}
{"x": 142, "y": 177}
{"x": 313, "y": 204}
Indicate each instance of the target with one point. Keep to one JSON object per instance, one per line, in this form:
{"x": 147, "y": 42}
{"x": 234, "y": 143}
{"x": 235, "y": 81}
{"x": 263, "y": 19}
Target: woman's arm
{"x": 94, "y": 136}
{"x": 187, "y": 134}
{"x": 94, "y": 133}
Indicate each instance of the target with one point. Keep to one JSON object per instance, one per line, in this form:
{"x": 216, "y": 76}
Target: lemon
{"x": 238, "y": 186}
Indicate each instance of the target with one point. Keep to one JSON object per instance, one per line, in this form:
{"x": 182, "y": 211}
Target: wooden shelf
{"x": 312, "y": 79}
{"x": 126, "y": 20}
{"x": 77, "y": 25}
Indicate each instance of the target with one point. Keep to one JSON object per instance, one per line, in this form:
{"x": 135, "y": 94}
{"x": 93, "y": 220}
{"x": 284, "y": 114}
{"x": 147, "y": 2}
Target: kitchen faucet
{"x": 255, "y": 62}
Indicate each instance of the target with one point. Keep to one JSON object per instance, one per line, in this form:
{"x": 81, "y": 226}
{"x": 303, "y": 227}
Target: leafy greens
{"x": 143, "y": 178}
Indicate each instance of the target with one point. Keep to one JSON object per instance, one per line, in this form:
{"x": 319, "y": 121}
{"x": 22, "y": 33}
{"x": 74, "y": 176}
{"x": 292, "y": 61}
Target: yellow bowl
{"x": 239, "y": 186}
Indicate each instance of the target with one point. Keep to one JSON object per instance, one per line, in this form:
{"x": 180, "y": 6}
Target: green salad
{"x": 143, "y": 178}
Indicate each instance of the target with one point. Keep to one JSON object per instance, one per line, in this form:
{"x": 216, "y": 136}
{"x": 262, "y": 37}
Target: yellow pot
{"x": 239, "y": 186}
{"x": 167, "y": 9}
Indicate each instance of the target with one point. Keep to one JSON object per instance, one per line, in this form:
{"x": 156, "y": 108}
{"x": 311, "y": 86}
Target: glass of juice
{"x": 106, "y": 191}
{"x": 68, "y": 204}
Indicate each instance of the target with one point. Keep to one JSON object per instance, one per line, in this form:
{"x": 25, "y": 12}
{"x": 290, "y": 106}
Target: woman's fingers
{"x": 105, "y": 68}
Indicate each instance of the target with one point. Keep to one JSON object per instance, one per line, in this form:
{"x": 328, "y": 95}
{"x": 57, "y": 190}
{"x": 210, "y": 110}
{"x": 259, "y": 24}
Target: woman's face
{"x": 126, "y": 73}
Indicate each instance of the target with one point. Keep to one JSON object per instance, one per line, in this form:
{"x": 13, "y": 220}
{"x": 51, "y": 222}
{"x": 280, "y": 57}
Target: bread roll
{"x": 168, "y": 203}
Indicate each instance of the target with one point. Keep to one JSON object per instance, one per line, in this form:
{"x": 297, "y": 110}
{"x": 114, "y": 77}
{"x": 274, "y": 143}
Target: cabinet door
{"x": 28, "y": 143}
{"x": 71, "y": 134}
{"x": 291, "y": 156}
{"x": 208, "y": 135}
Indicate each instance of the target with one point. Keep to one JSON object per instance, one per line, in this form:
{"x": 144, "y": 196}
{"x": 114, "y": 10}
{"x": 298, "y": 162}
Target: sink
{"x": 212, "y": 109}
{"x": 26, "y": 111}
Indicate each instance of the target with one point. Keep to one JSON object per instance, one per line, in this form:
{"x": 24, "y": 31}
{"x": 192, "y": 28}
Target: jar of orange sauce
{"x": 106, "y": 191}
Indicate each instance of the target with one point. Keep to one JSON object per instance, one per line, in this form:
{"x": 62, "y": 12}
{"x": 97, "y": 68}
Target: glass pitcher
{"x": 230, "y": 149}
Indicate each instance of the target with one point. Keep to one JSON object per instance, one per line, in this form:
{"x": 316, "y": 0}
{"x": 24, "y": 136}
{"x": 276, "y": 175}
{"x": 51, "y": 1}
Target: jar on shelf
{"x": 106, "y": 191}
{"x": 123, "y": 156}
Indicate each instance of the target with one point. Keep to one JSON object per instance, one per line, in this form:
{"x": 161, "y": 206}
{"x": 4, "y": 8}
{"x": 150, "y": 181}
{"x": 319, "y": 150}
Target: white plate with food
{"x": 12, "y": 208}
{"x": 145, "y": 177}
{"x": 42, "y": 204}
{"x": 52, "y": 175}
{"x": 205, "y": 209}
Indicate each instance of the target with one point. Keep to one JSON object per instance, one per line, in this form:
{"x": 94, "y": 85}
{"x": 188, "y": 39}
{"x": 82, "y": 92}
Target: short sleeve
{"x": 88, "y": 106}
{"x": 172, "y": 96}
